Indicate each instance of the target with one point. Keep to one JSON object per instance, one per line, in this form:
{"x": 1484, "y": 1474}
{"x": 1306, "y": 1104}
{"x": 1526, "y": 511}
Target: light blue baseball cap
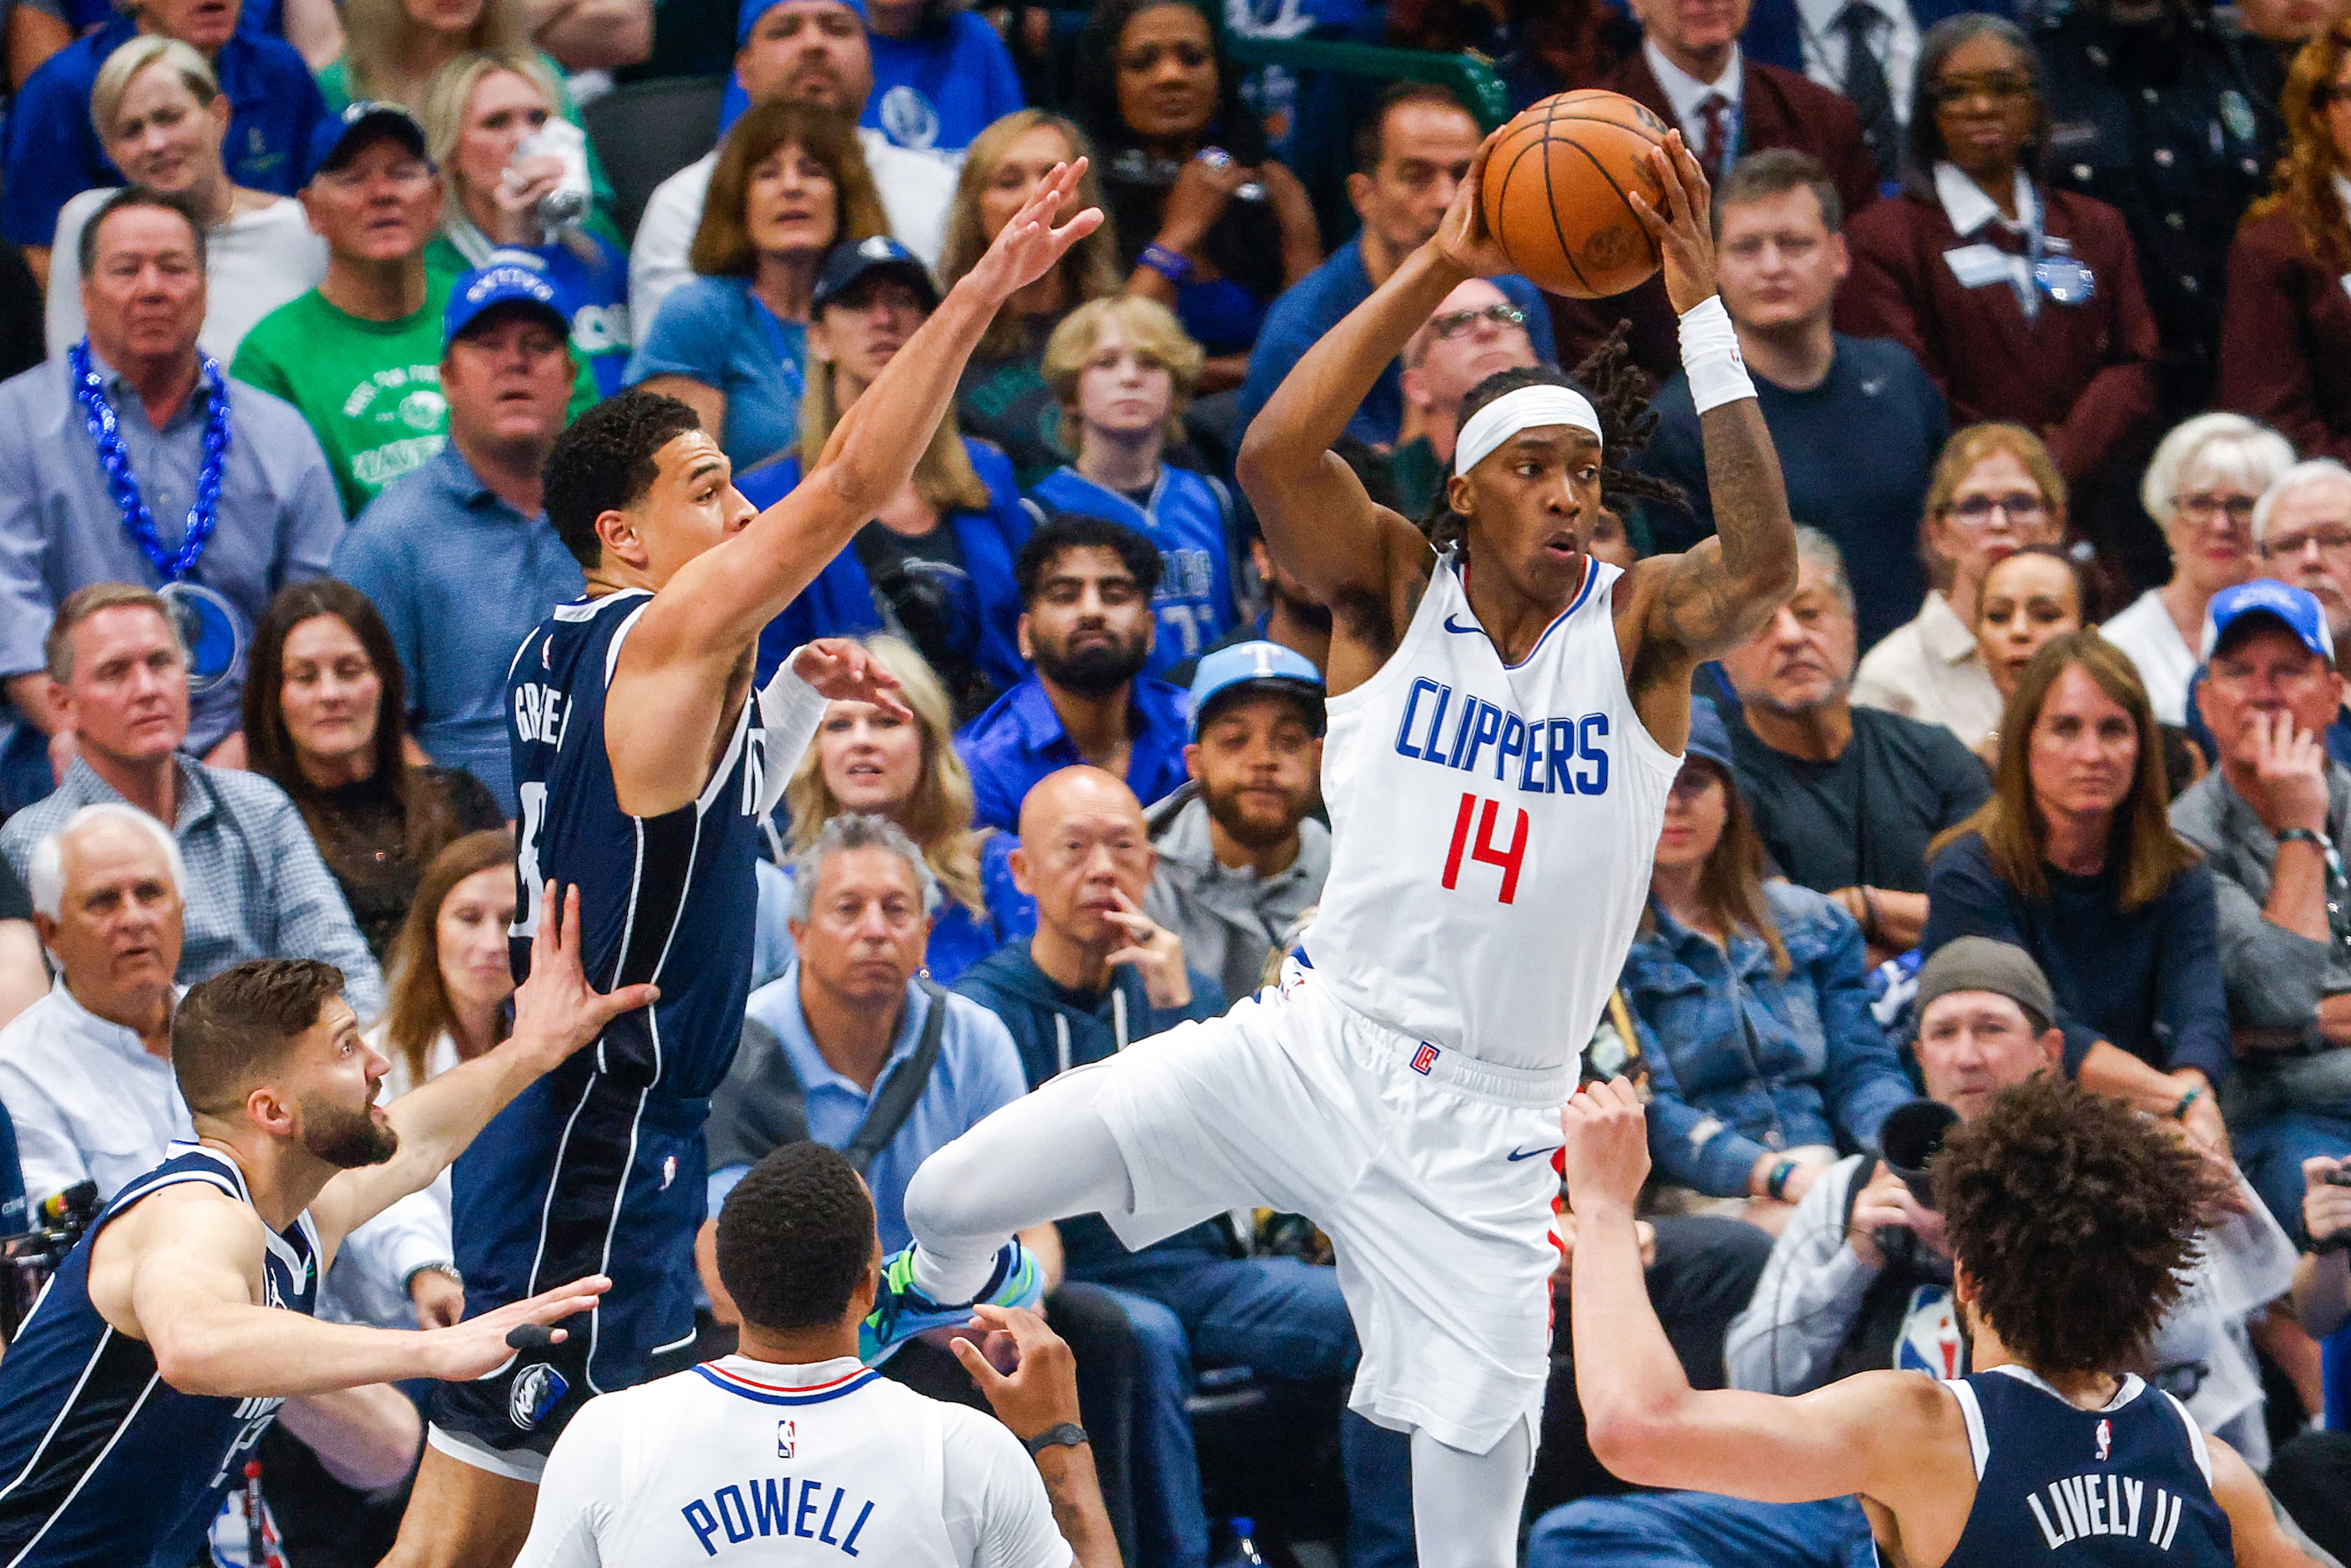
{"x": 1248, "y": 668}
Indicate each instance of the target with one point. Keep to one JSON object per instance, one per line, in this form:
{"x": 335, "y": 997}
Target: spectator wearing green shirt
{"x": 360, "y": 355}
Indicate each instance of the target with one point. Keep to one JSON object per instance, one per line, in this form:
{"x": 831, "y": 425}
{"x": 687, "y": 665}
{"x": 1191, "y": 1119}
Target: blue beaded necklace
{"x": 90, "y": 390}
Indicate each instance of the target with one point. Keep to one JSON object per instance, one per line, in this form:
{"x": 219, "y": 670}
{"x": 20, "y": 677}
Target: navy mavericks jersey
{"x": 2128, "y": 1484}
{"x": 598, "y": 1167}
{"x": 101, "y": 1461}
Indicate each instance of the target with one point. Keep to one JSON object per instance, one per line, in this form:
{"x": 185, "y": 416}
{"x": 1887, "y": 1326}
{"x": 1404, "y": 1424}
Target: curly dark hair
{"x": 795, "y": 1237}
{"x": 1065, "y": 531}
{"x": 2076, "y": 1220}
{"x": 1619, "y": 394}
{"x": 605, "y": 461}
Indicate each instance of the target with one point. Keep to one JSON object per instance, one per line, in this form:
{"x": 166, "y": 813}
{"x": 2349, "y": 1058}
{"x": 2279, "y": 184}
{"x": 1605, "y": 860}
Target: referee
{"x": 793, "y": 1451}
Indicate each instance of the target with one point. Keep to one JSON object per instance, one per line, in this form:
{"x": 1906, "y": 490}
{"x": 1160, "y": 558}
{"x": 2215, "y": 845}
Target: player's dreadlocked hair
{"x": 1618, "y": 391}
{"x": 2075, "y": 1219}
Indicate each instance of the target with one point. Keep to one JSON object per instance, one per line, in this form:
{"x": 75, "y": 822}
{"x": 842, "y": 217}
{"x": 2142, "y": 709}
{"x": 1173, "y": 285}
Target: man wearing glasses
{"x": 2269, "y": 819}
{"x": 360, "y": 355}
{"x": 1475, "y": 331}
{"x": 1856, "y": 419}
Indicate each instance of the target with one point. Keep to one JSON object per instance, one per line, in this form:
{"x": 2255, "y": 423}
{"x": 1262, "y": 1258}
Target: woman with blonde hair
{"x": 935, "y": 564}
{"x": 393, "y": 47}
{"x": 480, "y": 110}
{"x": 864, "y": 759}
{"x": 1123, "y": 369}
{"x": 790, "y": 183}
{"x": 159, "y": 111}
{"x": 2199, "y": 489}
{"x": 1995, "y": 490}
{"x": 1003, "y": 397}
{"x": 2285, "y": 335}
{"x": 2074, "y": 859}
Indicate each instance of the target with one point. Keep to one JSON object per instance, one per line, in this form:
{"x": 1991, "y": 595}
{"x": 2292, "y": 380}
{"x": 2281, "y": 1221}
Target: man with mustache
{"x": 1086, "y": 623}
{"x": 1846, "y": 798}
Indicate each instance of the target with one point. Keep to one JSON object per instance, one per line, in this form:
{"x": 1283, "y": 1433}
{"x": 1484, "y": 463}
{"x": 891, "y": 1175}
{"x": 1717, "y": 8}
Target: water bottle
{"x": 1245, "y": 1552}
{"x": 569, "y": 201}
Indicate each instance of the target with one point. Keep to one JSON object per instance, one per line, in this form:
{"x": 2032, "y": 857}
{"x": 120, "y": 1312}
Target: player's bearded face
{"x": 345, "y": 1138}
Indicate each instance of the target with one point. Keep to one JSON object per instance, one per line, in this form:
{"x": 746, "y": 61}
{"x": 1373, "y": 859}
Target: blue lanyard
{"x": 106, "y": 431}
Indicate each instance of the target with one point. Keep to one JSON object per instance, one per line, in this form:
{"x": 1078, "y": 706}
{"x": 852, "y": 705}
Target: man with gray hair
{"x": 854, "y": 1047}
{"x": 1845, "y": 798}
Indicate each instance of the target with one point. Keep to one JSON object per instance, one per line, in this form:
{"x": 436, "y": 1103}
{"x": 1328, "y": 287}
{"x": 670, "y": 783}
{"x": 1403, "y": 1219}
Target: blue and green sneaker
{"x": 901, "y": 1311}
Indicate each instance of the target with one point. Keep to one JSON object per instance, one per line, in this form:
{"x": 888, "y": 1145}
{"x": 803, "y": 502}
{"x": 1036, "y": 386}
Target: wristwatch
{"x": 407, "y": 1281}
{"x": 1065, "y": 1435}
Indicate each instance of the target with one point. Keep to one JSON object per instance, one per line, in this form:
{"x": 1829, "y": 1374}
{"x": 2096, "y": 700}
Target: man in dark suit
{"x": 1691, "y": 73}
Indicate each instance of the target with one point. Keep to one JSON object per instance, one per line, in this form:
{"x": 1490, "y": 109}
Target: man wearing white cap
{"x": 1503, "y": 729}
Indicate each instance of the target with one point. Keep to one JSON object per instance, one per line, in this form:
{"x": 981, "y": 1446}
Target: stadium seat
{"x": 647, "y": 131}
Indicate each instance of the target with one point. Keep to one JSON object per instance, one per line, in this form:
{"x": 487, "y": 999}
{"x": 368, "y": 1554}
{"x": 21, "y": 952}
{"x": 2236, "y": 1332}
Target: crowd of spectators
{"x": 2044, "y": 765}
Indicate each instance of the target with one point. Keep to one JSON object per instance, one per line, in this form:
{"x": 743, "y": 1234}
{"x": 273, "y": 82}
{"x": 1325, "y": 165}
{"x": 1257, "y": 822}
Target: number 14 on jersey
{"x": 1485, "y": 851}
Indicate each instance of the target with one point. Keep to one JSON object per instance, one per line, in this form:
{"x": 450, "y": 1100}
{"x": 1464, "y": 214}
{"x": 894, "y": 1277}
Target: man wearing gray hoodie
{"x": 1242, "y": 855}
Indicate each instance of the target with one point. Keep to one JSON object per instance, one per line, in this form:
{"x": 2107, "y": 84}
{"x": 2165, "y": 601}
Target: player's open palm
{"x": 1683, "y": 231}
{"x": 557, "y": 1006}
{"x": 479, "y": 1346}
{"x": 1463, "y": 238}
{"x": 842, "y": 670}
{"x": 1027, "y": 247}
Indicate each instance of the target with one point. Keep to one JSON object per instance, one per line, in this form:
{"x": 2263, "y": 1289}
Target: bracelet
{"x": 1169, "y": 265}
{"x": 2301, "y": 836}
{"x": 1776, "y": 1184}
{"x": 2179, "y": 1112}
{"x": 1868, "y": 915}
{"x": 1063, "y": 1435}
{"x": 1710, "y": 357}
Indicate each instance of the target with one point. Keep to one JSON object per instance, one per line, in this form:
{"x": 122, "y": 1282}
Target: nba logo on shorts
{"x": 537, "y": 1389}
{"x": 788, "y": 1439}
{"x": 1424, "y": 1059}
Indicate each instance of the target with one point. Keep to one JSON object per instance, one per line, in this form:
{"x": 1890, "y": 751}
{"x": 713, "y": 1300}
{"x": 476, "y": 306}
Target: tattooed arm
{"x": 1676, "y": 611}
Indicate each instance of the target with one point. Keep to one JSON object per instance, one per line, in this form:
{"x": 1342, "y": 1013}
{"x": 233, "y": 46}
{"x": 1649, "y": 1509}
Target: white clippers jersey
{"x": 1492, "y": 828}
{"x": 745, "y": 1462}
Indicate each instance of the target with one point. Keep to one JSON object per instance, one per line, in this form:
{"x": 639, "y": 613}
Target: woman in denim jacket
{"x": 1752, "y": 1005}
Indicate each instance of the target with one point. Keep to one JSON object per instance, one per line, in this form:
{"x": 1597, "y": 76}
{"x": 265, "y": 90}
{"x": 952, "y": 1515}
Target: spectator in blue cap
{"x": 51, "y": 150}
{"x": 2269, "y": 821}
{"x": 801, "y": 51}
{"x": 1752, "y": 1000}
{"x": 472, "y": 516}
{"x": 935, "y": 565}
{"x": 1240, "y": 855}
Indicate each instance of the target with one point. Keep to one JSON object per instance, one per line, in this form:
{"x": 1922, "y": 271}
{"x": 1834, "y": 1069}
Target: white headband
{"x": 1529, "y": 408}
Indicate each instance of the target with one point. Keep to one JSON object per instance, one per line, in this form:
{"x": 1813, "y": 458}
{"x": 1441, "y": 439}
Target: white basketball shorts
{"x": 1433, "y": 1175}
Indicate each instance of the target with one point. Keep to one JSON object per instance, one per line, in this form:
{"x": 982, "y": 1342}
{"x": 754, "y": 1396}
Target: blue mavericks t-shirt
{"x": 1188, "y": 516}
{"x": 52, "y": 154}
{"x": 935, "y": 91}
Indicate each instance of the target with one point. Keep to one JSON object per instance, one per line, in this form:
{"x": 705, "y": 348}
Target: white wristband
{"x": 1710, "y": 357}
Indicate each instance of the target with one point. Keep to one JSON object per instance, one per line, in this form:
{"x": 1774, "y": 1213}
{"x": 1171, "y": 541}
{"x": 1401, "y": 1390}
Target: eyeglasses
{"x": 2330, "y": 541}
{"x": 2203, "y": 507}
{"x": 2019, "y": 506}
{"x": 1453, "y": 323}
{"x": 2000, "y": 89}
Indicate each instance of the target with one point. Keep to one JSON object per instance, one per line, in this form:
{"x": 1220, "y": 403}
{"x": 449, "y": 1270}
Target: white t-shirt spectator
{"x": 915, "y": 190}
{"x": 254, "y": 263}
{"x": 2146, "y": 631}
{"x": 769, "y": 1463}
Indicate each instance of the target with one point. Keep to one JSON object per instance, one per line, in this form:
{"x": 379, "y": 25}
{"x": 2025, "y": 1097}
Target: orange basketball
{"x": 1554, "y": 186}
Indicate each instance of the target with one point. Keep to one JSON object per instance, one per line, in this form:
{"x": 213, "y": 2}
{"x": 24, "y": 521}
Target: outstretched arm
{"x": 1874, "y": 1435}
{"x": 717, "y": 603}
{"x": 1360, "y": 559}
{"x": 556, "y": 1013}
{"x": 1718, "y": 595}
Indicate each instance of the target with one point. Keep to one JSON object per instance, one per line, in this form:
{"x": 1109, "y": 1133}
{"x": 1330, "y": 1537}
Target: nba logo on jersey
{"x": 1424, "y": 1059}
{"x": 2105, "y": 1439}
{"x": 788, "y": 1439}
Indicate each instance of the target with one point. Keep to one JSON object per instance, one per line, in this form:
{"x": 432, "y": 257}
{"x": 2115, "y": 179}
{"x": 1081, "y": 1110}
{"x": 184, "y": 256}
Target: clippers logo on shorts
{"x": 1565, "y": 755}
{"x": 538, "y": 1389}
{"x": 1425, "y": 1058}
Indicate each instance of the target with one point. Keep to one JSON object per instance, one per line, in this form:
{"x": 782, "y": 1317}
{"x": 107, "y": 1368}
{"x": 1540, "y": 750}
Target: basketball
{"x": 1554, "y": 190}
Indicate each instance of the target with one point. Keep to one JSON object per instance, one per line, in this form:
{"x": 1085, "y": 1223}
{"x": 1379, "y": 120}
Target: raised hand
{"x": 2289, "y": 774}
{"x": 1157, "y": 953}
{"x": 1027, "y": 247}
{"x": 1463, "y": 238}
{"x": 556, "y": 1009}
{"x": 1684, "y": 232}
{"x": 842, "y": 671}
{"x": 1042, "y": 1391}
{"x": 479, "y": 1347}
{"x": 1606, "y": 1133}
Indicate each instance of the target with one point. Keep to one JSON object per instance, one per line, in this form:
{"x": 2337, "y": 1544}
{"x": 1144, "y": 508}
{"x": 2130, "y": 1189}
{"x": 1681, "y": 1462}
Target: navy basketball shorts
{"x": 584, "y": 1174}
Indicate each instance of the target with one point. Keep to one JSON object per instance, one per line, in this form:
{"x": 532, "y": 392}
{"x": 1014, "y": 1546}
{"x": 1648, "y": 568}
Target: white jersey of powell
{"x": 743, "y": 1461}
{"x": 1492, "y": 828}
